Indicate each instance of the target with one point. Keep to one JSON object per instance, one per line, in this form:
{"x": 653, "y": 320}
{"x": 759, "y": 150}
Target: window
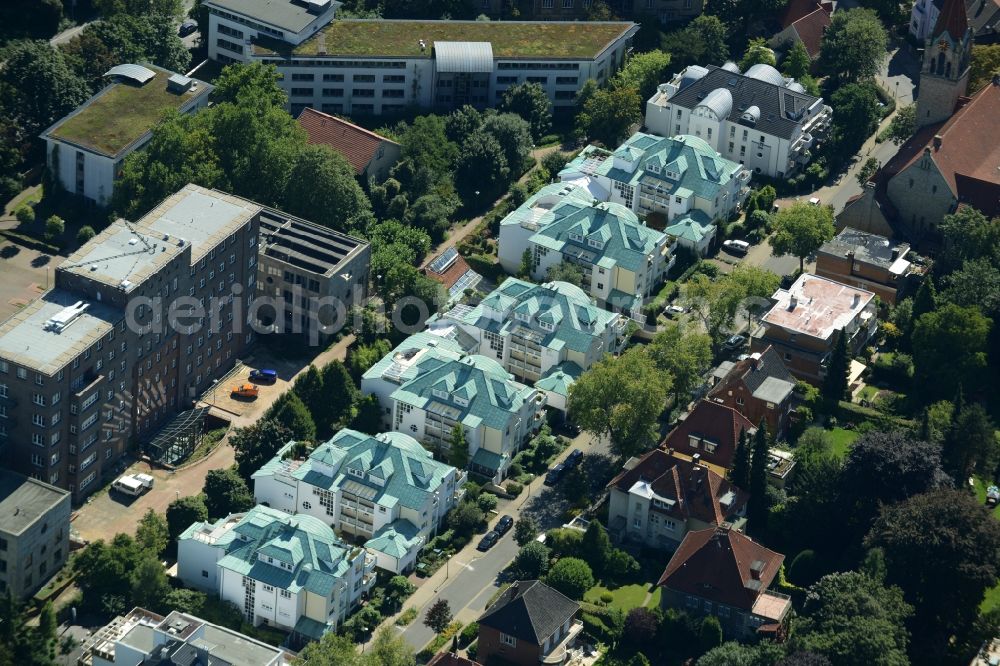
{"x": 546, "y": 4}
{"x": 505, "y": 638}
{"x": 302, "y": 77}
{"x": 296, "y": 92}
{"x": 363, "y": 78}
{"x": 333, "y": 78}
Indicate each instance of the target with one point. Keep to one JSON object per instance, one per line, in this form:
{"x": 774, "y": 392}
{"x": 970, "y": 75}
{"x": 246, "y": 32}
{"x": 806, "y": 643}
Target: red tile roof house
{"x": 759, "y": 387}
{"x": 530, "y": 623}
{"x": 371, "y": 155}
{"x": 658, "y": 498}
{"x": 721, "y": 572}
{"x": 711, "y": 432}
{"x": 804, "y": 21}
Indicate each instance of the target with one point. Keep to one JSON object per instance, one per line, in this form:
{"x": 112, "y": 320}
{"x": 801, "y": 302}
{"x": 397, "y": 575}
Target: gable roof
{"x": 355, "y": 143}
{"x": 952, "y": 20}
{"x": 691, "y": 490}
{"x": 797, "y": 9}
{"x": 721, "y": 565}
{"x": 529, "y": 610}
{"x": 811, "y": 28}
{"x": 718, "y": 424}
{"x": 969, "y": 155}
{"x": 763, "y": 373}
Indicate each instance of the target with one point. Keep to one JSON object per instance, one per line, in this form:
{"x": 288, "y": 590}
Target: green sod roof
{"x": 509, "y": 39}
{"x": 122, "y": 113}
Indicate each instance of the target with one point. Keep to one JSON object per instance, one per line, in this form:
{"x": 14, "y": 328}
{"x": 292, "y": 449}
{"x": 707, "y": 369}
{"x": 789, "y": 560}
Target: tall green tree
{"x": 621, "y": 399}
{"x": 857, "y": 112}
{"x": 757, "y": 507}
{"x": 757, "y": 53}
{"x": 740, "y": 474}
{"x": 684, "y": 355}
{"x": 438, "y": 616}
{"x": 597, "y": 548}
{"x": 950, "y": 349}
{"x": 482, "y": 171}
{"x": 797, "y": 62}
{"x": 340, "y": 395}
{"x": 571, "y": 576}
{"x": 532, "y": 561}
{"x": 800, "y": 230}
{"x": 322, "y": 187}
{"x": 513, "y": 134}
{"x": 643, "y": 72}
{"x": 971, "y": 444}
{"x": 458, "y": 447}
{"x": 152, "y": 534}
{"x": 257, "y": 443}
{"x": 289, "y": 411}
{"x": 184, "y": 511}
{"x": 226, "y": 492}
{"x": 42, "y": 86}
{"x": 854, "y": 46}
{"x": 903, "y": 125}
{"x": 835, "y": 384}
{"x": 169, "y": 9}
{"x": 150, "y": 587}
{"x": 530, "y": 102}
{"x": 609, "y": 113}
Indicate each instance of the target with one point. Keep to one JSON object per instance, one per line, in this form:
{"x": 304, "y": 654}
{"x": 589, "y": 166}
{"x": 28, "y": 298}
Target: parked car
{"x": 736, "y": 246}
{"x": 573, "y": 459}
{"x": 734, "y": 342}
{"x": 503, "y": 525}
{"x": 245, "y": 391}
{"x": 263, "y": 375}
{"x": 133, "y": 484}
{"x": 188, "y": 27}
{"x": 992, "y": 496}
{"x": 488, "y": 541}
{"x": 674, "y": 311}
{"x": 552, "y": 478}
{"x": 814, "y": 201}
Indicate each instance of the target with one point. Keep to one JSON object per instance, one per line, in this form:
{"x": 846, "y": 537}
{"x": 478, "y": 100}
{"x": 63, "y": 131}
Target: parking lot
{"x": 26, "y": 273}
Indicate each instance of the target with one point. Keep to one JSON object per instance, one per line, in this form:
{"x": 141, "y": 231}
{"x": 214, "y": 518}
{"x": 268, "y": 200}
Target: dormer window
{"x": 694, "y": 441}
{"x": 438, "y": 393}
{"x": 547, "y": 325}
{"x": 593, "y": 242}
{"x": 573, "y": 236}
{"x": 461, "y": 402}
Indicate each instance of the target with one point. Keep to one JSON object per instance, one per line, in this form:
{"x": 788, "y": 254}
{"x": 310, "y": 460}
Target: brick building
{"x": 530, "y": 623}
{"x": 868, "y": 261}
{"x": 758, "y": 387}
{"x": 711, "y": 431}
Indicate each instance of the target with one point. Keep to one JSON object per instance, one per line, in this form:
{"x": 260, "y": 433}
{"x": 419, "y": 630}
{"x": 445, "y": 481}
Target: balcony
{"x": 559, "y": 653}
{"x": 87, "y": 384}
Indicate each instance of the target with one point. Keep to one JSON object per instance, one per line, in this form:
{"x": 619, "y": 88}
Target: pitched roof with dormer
{"x": 711, "y": 424}
{"x": 684, "y": 489}
{"x": 763, "y": 373}
{"x": 723, "y": 566}
{"x": 529, "y": 610}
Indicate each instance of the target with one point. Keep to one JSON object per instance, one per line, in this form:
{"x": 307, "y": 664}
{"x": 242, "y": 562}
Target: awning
{"x": 464, "y": 57}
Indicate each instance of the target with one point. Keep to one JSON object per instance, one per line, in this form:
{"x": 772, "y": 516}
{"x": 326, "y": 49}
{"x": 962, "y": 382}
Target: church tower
{"x": 944, "y": 76}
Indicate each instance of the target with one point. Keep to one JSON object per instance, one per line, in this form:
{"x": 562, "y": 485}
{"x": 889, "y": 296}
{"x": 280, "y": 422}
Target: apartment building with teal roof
{"x": 385, "y": 490}
{"x": 288, "y": 571}
{"x": 428, "y": 385}
{"x": 623, "y": 260}
{"x": 535, "y": 330}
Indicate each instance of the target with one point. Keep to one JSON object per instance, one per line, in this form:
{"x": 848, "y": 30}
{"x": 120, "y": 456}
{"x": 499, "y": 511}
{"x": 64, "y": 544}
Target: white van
{"x": 133, "y": 484}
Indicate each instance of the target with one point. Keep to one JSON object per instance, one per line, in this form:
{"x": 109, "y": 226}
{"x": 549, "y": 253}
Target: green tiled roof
{"x": 559, "y": 378}
{"x": 693, "y": 226}
{"x": 487, "y": 459}
{"x": 395, "y": 539}
{"x": 314, "y": 556}
{"x": 575, "y": 220}
{"x": 575, "y": 320}
{"x": 306, "y": 626}
{"x": 415, "y": 342}
{"x": 494, "y": 398}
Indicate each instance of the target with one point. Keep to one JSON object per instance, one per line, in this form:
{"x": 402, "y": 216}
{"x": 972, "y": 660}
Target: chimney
{"x": 895, "y": 253}
{"x": 937, "y": 142}
{"x": 793, "y": 301}
{"x": 856, "y": 300}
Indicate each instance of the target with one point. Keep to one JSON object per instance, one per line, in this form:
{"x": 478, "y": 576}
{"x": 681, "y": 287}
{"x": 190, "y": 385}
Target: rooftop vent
{"x": 178, "y": 83}
{"x": 66, "y": 316}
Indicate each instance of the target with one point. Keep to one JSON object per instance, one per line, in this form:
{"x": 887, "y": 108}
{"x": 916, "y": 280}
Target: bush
{"x": 805, "y": 569}
{"x": 9, "y": 187}
{"x": 487, "y": 502}
{"x": 406, "y": 617}
{"x": 607, "y": 597}
{"x": 25, "y": 214}
{"x": 513, "y": 488}
{"x": 571, "y": 576}
{"x": 469, "y": 634}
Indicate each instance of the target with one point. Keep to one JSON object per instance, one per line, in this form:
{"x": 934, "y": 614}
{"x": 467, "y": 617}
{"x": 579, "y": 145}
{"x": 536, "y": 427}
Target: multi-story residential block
{"x": 287, "y": 571}
{"x": 758, "y": 118}
{"x": 807, "y": 318}
{"x": 983, "y": 15}
{"x": 85, "y": 150}
{"x": 34, "y": 533}
{"x": 428, "y": 385}
{"x": 758, "y": 387}
{"x": 371, "y": 155}
{"x": 97, "y": 363}
{"x": 144, "y": 638}
{"x": 677, "y": 178}
{"x": 623, "y": 260}
{"x": 868, "y": 261}
{"x": 364, "y": 67}
{"x": 536, "y": 330}
{"x": 658, "y": 498}
{"x": 719, "y": 571}
{"x": 387, "y": 490}
{"x": 529, "y": 624}
{"x": 315, "y": 274}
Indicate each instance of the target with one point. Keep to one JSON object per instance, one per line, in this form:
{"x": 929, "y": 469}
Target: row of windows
{"x": 340, "y": 64}
{"x": 393, "y": 93}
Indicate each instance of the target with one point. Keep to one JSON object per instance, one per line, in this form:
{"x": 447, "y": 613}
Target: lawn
{"x": 122, "y": 114}
{"x": 625, "y": 598}
{"x": 991, "y": 601}
{"x": 508, "y": 38}
{"x": 841, "y": 440}
{"x": 980, "y": 489}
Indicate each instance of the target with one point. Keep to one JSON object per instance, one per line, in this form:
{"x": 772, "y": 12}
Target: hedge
{"x": 851, "y": 411}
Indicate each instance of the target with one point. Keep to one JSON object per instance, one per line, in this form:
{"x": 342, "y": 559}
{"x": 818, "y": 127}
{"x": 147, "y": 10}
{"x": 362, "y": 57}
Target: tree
{"x": 609, "y": 113}
{"x": 458, "y": 447}
{"x": 976, "y": 283}
{"x": 621, "y": 399}
{"x": 738, "y": 654}
{"x": 757, "y": 507}
{"x": 252, "y": 84}
{"x": 438, "y": 616}
{"x": 835, "y": 384}
{"x": 942, "y": 549}
{"x": 183, "y": 512}
{"x": 338, "y": 398}
{"x": 43, "y": 86}
{"x": 465, "y": 120}
{"x": 465, "y": 518}
{"x": 555, "y": 162}
{"x": 54, "y": 227}
{"x": 532, "y": 561}
{"x": 529, "y": 101}
{"x": 332, "y": 650}
{"x": 226, "y": 492}
{"x": 684, "y": 355}
{"x": 596, "y": 547}
{"x": 168, "y": 9}
{"x": 368, "y": 415}
{"x": 152, "y": 534}
{"x": 289, "y": 411}
{"x": 571, "y": 576}
{"x": 576, "y": 486}
{"x": 144, "y": 37}
{"x": 487, "y": 502}
{"x": 322, "y": 187}
{"x": 853, "y": 620}
{"x": 389, "y": 649}
{"x": 481, "y": 171}
{"x": 971, "y": 445}
{"x": 800, "y": 230}
{"x": 710, "y": 632}
{"x": 903, "y": 125}
{"x": 102, "y": 567}
{"x": 643, "y": 72}
{"x": 426, "y": 143}
{"x": 853, "y": 46}
{"x": 641, "y": 625}
{"x": 797, "y": 62}
{"x": 257, "y": 443}
{"x": 525, "y": 530}
{"x": 757, "y": 53}
{"x": 565, "y": 271}
{"x": 967, "y": 235}
{"x": 949, "y": 349}
{"x": 740, "y": 474}
{"x": 513, "y": 133}
{"x": 150, "y": 587}
{"x": 857, "y": 112}
{"x": 983, "y": 66}
{"x": 85, "y": 233}
{"x": 867, "y": 170}
{"x": 527, "y": 266}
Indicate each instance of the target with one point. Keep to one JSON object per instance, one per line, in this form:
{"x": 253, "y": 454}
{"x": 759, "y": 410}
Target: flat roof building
{"x": 869, "y": 261}
{"x": 86, "y": 148}
{"x": 34, "y": 533}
